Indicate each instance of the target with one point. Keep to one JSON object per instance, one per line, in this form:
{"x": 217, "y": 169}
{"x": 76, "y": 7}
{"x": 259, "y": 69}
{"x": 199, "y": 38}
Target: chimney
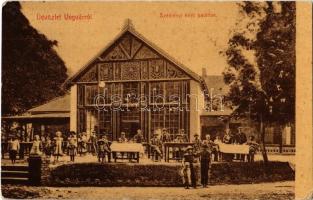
{"x": 204, "y": 72}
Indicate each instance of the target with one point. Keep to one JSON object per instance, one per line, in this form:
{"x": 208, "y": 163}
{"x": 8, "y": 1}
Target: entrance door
{"x": 129, "y": 122}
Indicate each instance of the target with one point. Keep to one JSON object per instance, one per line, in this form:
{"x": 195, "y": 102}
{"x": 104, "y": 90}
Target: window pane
{"x": 173, "y": 92}
{"x": 157, "y": 92}
{"x": 91, "y": 93}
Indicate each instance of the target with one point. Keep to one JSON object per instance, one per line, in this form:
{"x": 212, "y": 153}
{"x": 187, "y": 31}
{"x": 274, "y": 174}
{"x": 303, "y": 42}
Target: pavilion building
{"x": 132, "y": 84}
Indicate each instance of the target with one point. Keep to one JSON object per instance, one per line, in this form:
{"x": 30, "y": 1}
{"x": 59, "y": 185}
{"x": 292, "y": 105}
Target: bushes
{"x": 131, "y": 174}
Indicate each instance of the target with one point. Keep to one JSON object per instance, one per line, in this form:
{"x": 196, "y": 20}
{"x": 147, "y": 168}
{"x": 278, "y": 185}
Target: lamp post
{"x": 102, "y": 85}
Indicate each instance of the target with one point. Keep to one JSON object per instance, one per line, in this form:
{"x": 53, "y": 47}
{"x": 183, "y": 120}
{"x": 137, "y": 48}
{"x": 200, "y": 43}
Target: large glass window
{"x": 157, "y": 119}
{"x": 131, "y": 92}
{"x": 81, "y": 95}
{"x": 157, "y": 92}
{"x": 172, "y": 121}
{"x": 91, "y": 92}
{"x": 173, "y": 92}
{"x": 105, "y": 123}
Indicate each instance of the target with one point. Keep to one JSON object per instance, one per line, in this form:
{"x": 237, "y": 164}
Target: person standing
{"x": 252, "y": 149}
{"x": 58, "y": 140}
{"x": 205, "y": 163}
{"x": 35, "y": 150}
{"x": 93, "y": 142}
{"x": 216, "y": 149}
{"x": 48, "y": 147}
{"x": 14, "y": 146}
{"x": 72, "y": 146}
{"x": 103, "y": 148}
{"x": 189, "y": 175}
{"x": 241, "y": 139}
{"x": 227, "y": 139}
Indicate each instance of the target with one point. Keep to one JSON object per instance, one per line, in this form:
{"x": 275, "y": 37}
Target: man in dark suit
{"x": 205, "y": 164}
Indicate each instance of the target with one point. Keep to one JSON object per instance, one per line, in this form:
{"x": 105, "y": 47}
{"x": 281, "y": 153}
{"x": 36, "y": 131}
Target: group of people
{"x": 202, "y": 152}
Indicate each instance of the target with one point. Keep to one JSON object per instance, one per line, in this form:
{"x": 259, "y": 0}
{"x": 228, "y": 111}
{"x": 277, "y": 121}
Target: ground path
{"x": 263, "y": 191}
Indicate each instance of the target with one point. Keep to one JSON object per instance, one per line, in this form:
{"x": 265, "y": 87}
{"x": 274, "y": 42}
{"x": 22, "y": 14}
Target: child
{"x": 72, "y": 145}
{"x": 188, "y": 168}
{"x": 252, "y": 149}
{"x": 103, "y": 148}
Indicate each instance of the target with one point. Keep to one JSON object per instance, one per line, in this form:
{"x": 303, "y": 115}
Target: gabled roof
{"x": 130, "y": 29}
{"x": 58, "y": 104}
{"x": 217, "y": 83}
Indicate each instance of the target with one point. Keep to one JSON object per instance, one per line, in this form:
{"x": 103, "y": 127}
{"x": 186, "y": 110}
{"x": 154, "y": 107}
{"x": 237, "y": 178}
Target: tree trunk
{"x": 263, "y": 149}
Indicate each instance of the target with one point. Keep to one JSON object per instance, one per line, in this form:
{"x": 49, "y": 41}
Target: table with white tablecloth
{"x": 131, "y": 150}
{"x": 242, "y": 149}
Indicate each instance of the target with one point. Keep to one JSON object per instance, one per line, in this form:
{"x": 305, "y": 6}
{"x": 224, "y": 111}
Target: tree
{"x": 32, "y": 71}
{"x": 261, "y": 64}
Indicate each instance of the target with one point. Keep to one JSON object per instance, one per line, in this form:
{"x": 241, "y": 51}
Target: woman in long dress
{"x": 58, "y": 145}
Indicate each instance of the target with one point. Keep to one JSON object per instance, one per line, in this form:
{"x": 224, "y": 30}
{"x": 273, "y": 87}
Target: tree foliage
{"x": 32, "y": 71}
{"x": 261, "y": 62}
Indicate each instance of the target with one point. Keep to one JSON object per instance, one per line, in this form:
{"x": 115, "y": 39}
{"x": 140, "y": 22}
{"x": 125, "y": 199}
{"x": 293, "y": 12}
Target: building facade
{"x": 131, "y": 85}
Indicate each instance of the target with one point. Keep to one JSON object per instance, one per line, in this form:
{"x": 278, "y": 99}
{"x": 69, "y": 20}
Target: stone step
{"x": 14, "y": 180}
{"x": 14, "y": 168}
{"x": 20, "y": 174}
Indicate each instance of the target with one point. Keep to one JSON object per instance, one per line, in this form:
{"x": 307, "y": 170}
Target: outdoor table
{"x": 180, "y": 145}
{"x": 126, "y": 148}
{"x": 234, "y": 148}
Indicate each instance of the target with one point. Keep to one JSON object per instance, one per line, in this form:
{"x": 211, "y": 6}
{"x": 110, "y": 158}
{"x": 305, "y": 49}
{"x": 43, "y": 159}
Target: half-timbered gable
{"x": 130, "y": 58}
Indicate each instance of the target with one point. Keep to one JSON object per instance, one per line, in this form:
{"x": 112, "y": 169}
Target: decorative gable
{"x": 145, "y": 53}
{"x": 115, "y": 54}
{"x": 131, "y": 57}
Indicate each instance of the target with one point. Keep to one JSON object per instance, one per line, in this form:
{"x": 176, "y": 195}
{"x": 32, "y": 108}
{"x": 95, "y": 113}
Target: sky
{"x": 188, "y": 36}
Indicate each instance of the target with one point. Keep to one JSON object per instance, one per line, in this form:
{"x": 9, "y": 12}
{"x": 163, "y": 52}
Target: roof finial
{"x": 128, "y": 24}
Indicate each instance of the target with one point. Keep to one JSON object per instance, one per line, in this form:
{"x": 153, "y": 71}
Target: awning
{"x": 39, "y": 116}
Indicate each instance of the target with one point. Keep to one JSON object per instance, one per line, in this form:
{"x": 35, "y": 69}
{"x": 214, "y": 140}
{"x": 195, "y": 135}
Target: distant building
{"x": 214, "y": 120}
{"x": 45, "y": 119}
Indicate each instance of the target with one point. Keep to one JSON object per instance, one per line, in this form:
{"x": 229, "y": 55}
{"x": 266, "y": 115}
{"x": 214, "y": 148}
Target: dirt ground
{"x": 263, "y": 191}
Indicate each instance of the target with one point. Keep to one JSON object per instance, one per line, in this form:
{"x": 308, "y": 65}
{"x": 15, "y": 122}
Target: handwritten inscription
{"x": 65, "y": 16}
{"x": 176, "y": 15}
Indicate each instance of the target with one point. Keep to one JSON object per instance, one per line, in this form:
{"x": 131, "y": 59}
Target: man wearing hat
{"x": 189, "y": 175}
{"x": 205, "y": 163}
{"x": 103, "y": 148}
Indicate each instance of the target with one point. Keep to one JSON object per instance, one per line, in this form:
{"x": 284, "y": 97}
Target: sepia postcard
{"x": 156, "y": 100}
